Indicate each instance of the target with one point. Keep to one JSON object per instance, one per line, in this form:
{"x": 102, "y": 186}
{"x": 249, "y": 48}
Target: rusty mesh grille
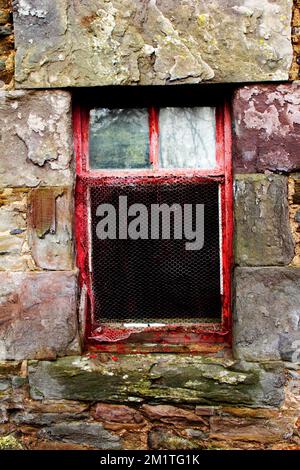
{"x": 156, "y": 280}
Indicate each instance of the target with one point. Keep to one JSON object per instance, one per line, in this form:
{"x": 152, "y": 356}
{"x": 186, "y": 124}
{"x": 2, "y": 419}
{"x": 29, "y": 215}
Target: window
{"x": 154, "y": 224}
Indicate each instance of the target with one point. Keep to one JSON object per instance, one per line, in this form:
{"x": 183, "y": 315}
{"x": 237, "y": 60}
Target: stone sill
{"x": 157, "y": 378}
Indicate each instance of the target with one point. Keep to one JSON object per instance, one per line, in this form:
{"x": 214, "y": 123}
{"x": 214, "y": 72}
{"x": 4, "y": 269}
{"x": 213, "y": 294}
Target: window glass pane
{"x": 119, "y": 138}
{"x": 187, "y": 137}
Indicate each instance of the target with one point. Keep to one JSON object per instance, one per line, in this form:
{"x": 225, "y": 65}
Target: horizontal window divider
{"x": 102, "y": 177}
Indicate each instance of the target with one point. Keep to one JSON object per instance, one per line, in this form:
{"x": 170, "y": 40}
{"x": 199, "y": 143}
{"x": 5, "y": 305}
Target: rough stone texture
{"x": 51, "y": 424}
{"x": 295, "y": 69}
{"x": 14, "y": 255}
{"x": 262, "y": 230}
{"x": 6, "y": 45}
{"x": 267, "y": 126}
{"x": 38, "y": 315}
{"x": 9, "y": 367}
{"x": 171, "y": 414}
{"x": 35, "y": 138}
{"x": 44, "y": 419}
{"x": 50, "y": 228}
{"x": 163, "y": 379}
{"x": 248, "y": 429}
{"x": 36, "y": 229}
{"x": 161, "y": 438}
{"x": 88, "y": 43}
{"x": 294, "y": 212}
{"x": 90, "y": 434}
{"x": 267, "y": 314}
{"x": 117, "y": 414}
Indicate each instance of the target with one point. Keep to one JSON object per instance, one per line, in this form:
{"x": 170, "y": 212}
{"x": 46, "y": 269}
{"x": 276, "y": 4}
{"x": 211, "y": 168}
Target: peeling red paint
{"x": 92, "y": 356}
{"x": 153, "y": 137}
{"x": 106, "y": 333}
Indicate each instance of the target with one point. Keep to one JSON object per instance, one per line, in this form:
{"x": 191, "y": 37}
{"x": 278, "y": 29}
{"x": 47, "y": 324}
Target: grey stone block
{"x": 89, "y": 434}
{"x": 124, "y": 42}
{"x": 36, "y": 139}
{"x": 262, "y": 228}
{"x": 267, "y": 314}
{"x": 38, "y": 315}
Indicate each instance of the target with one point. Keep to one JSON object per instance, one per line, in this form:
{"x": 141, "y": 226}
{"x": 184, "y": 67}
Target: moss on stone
{"x": 165, "y": 378}
{"x": 10, "y": 443}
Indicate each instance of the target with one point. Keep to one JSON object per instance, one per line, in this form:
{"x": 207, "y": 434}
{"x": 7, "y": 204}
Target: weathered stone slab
{"x": 44, "y": 419}
{"x": 99, "y": 42}
{"x": 267, "y": 126}
{"x": 13, "y": 225}
{"x": 6, "y": 45}
{"x": 39, "y": 306}
{"x": 247, "y": 429}
{"x": 167, "y": 378}
{"x": 117, "y": 414}
{"x": 36, "y": 229}
{"x": 36, "y": 133}
{"x": 294, "y": 212}
{"x": 90, "y": 434}
{"x": 9, "y": 368}
{"x": 60, "y": 407}
{"x": 172, "y": 414}
{"x": 267, "y": 314}
{"x": 262, "y": 229}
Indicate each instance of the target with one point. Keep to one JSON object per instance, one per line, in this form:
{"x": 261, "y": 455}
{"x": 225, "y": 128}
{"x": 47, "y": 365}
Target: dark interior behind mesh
{"x": 157, "y": 280}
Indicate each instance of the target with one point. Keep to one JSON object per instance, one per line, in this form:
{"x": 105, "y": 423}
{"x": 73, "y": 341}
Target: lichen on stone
{"x": 10, "y": 443}
{"x": 123, "y": 42}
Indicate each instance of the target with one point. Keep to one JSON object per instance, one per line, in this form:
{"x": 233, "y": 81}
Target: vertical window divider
{"x": 154, "y": 137}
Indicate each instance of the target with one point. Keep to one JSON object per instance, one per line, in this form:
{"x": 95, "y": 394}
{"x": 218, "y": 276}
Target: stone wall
{"x": 7, "y": 52}
{"x": 295, "y": 67}
{"x": 36, "y": 226}
{"x": 149, "y": 402}
{"x": 53, "y": 396}
{"x": 266, "y": 134}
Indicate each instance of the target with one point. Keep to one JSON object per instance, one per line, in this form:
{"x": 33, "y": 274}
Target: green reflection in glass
{"x": 119, "y": 138}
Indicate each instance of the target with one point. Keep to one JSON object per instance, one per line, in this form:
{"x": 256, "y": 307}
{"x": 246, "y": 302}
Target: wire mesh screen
{"x": 156, "y": 280}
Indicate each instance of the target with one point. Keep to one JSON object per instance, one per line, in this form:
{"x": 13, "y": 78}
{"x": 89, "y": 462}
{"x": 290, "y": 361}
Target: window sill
{"x": 193, "y": 338}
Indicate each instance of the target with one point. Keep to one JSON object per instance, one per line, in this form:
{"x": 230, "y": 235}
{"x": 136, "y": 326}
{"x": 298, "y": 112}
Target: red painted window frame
{"x": 179, "y": 337}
